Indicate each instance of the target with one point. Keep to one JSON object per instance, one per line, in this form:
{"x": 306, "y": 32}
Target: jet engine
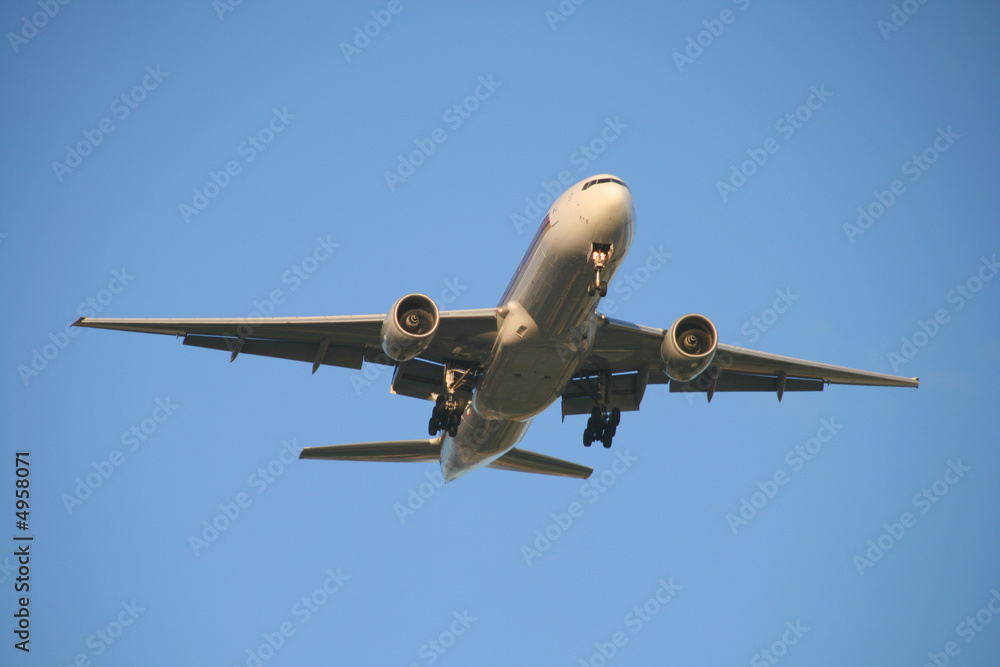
{"x": 409, "y": 327}
{"x": 688, "y": 347}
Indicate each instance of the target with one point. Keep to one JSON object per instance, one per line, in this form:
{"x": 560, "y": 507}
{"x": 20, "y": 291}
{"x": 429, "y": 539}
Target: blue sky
{"x": 204, "y": 159}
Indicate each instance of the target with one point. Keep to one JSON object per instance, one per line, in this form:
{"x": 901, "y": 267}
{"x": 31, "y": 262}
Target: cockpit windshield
{"x": 596, "y": 181}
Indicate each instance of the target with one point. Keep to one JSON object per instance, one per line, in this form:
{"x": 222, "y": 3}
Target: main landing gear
{"x": 599, "y": 256}
{"x": 601, "y": 426}
{"x": 445, "y": 417}
{"x": 447, "y": 413}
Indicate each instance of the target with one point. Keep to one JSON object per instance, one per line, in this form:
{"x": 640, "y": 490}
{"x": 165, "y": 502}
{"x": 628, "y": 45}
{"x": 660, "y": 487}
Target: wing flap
{"x": 345, "y": 357}
{"x": 729, "y": 381}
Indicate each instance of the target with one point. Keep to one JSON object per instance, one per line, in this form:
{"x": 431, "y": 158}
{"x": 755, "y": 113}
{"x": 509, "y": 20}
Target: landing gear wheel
{"x": 433, "y": 426}
{"x": 592, "y": 289}
{"x": 602, "y": 426}
{"x": 604, "y": 288}
{"x": 453, "y": 430}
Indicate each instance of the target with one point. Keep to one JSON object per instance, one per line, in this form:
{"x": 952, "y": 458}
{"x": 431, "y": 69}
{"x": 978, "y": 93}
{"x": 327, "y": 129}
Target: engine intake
{"x": 688, "y": 347}
{"x": 409, "y": 327}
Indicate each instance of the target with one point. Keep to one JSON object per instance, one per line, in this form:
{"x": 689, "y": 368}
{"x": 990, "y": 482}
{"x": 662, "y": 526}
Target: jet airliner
{"x": 490, "y": 371}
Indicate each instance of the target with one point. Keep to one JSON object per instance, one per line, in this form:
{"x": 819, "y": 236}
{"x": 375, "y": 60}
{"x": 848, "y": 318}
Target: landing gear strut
{"x": 447, "y": 413}
{"x": 602, "y": 425}
{"x": 599, "y": 256}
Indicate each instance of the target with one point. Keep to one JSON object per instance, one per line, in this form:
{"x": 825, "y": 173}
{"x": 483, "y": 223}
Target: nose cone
{"x": 610, "y": 200}
{"x": 618, "y": 199}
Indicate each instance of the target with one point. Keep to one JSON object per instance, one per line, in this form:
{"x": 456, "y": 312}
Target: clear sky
{"x": 818, "y": 178}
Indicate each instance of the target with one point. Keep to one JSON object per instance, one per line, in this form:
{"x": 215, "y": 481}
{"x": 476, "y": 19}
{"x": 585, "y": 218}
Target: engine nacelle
{"x": 409, "y": 327}
{"x": 688, "y": 347}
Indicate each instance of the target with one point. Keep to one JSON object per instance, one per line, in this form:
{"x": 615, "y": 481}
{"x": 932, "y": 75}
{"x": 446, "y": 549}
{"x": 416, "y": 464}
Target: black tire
{"x": 432, "y": 426}
{"x": 587, "y": 440}
{"x": 591, "y": 289}
{"x": 595, "y": 414}
{"x": 606, "y": 440}
{"x": 604, "y": 288}
{"x": 616, "y": 417}
{"x": 453, "y": 431}
{"x": 610, "y": 431}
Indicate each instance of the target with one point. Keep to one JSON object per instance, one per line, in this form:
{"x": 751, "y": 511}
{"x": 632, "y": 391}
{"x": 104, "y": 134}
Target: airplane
{"x": 490, "y": 371}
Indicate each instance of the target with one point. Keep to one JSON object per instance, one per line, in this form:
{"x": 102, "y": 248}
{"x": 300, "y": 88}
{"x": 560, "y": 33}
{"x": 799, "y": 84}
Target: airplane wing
{"x": 347, "y": 341}
{"x": 631, "y": 352}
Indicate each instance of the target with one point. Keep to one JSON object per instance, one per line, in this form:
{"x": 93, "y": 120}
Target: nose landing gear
{"x": 599, "y": 257}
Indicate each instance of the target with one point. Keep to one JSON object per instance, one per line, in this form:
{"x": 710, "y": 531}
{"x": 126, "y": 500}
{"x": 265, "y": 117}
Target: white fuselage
{"x": 546, "y": 321}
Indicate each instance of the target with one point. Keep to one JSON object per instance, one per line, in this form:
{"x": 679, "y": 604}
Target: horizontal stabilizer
{"x": 520, "y": 460}
{"x": 430, "y": 450}
{"x": 389, "y": 450}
